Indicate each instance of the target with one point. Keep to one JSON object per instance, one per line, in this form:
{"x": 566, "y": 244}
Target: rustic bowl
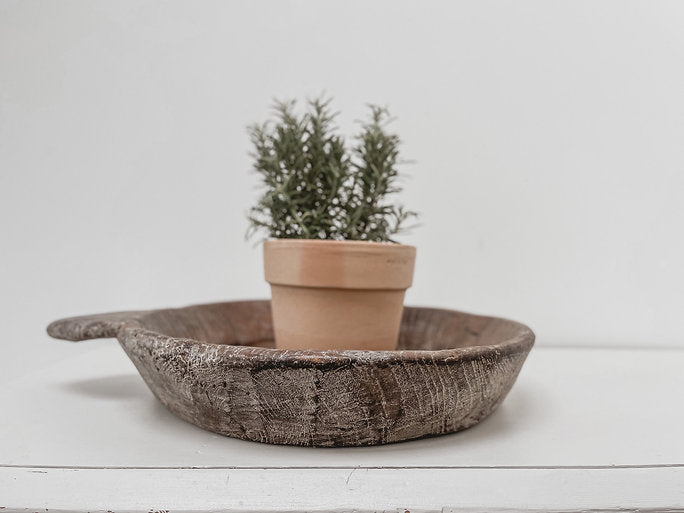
{"x": 213, "y": 365}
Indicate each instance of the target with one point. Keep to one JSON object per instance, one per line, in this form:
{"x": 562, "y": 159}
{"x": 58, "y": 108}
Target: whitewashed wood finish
{"x": 343, "y": 489}
{"x": 567, "y": 437}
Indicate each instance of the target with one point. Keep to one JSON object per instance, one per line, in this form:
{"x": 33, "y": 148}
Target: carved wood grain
{"x": 214, "y": 366}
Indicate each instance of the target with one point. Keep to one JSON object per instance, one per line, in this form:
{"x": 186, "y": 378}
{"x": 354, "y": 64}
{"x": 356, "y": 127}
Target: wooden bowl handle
{"x": 88, "y": 327}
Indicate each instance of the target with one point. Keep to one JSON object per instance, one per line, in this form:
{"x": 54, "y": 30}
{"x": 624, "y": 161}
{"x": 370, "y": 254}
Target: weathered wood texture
{"x": 214, "y": 366}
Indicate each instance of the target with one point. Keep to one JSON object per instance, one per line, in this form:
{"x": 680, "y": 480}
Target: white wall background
{"x": 548, "y": 140}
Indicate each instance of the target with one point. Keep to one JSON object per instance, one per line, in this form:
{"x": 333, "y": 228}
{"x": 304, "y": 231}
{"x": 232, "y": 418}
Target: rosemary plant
{"x": 315, "y": 187}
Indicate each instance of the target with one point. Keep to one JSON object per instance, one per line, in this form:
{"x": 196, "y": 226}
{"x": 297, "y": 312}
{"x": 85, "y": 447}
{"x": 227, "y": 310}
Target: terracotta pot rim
{"x": 322, "y": 263}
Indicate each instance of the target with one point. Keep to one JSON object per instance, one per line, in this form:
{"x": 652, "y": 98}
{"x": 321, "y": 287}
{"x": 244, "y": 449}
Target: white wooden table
{"x": 582, "y": 429}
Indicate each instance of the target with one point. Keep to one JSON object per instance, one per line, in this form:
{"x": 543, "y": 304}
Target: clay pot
{"x": 337, "y": 294}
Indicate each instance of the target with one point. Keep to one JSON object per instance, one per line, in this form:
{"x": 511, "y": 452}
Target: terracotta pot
{"x": 337, "y": 294}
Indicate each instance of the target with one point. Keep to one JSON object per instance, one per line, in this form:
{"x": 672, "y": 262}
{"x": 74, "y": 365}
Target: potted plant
{"x": 337, "y": 276}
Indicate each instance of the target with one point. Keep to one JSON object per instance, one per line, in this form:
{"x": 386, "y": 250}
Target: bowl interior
{"x": 249, "y": 323}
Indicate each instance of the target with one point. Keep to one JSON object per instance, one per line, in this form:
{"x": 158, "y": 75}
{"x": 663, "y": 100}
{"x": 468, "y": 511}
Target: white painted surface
{"x": 547, "y": 140}
{"x": 577, "y": 431}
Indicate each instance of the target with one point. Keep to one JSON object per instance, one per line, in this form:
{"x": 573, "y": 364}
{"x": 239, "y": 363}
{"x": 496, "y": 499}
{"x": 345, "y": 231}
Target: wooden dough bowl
{"x": 214, "y": 366}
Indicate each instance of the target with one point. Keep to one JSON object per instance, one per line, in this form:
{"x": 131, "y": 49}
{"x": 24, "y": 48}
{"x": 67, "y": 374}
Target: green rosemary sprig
{"x": 317, "y": 188}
